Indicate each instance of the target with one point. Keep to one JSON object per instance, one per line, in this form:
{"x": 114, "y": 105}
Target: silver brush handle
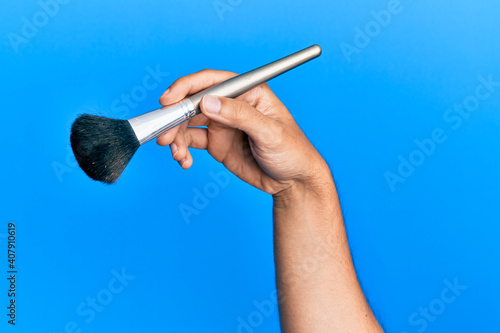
{"x": 152, "y": 124}
{"x": 240, "y": 84}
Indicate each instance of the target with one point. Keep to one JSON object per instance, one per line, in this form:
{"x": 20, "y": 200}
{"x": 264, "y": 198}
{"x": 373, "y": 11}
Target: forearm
{"x": 317, "y": 284}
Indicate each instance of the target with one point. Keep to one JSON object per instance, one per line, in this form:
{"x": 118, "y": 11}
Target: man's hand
{"x": 254, "y": 136}
{"x": 257, "y": 139}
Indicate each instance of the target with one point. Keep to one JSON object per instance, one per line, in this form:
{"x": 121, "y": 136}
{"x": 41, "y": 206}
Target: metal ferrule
{"x": 152, "y": 124}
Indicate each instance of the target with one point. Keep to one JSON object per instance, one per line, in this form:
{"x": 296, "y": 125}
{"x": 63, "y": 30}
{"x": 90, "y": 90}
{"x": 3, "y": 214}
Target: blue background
{"x": 441, "y": 223}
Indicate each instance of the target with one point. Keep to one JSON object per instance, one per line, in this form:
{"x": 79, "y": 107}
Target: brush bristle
{"x": 103, "y": 146}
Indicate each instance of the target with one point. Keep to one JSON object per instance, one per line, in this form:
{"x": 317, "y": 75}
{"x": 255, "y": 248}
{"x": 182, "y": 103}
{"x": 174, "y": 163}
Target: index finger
{"x": 193, "y": 83}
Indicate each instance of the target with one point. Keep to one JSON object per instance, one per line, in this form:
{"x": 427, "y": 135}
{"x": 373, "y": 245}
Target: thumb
{"x": 238, "y": 114}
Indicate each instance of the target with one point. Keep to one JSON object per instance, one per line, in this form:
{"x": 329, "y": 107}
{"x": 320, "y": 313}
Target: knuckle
{"x": 188, "y": 138}
{"x": 207, "y": 71}
{"x": 229, "y": 73}
{"x": 179, "y": 83}
{"x": 263, "y": 88}
{"x": 165, "y": 139}
{"x": 258, "y": 90}
{"x": 181, "y": 154}
{"x": 161, "y": 141}
{"x": 238, "y": 112}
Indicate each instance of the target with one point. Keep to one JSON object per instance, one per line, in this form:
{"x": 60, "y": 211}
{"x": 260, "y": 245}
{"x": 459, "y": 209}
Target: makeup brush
{"x": 103, "y": 146}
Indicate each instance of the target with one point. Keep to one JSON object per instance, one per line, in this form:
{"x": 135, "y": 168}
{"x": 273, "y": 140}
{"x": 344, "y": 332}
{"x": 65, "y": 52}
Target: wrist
{"x": 318, "y": 186}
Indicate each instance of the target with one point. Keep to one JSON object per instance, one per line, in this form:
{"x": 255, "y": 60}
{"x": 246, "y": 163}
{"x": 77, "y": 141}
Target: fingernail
{"x": 211, "y": 104}
{"x": 174, "y": 148}
{"x": 166, "y": 92}
{"x": 182, "y": 162}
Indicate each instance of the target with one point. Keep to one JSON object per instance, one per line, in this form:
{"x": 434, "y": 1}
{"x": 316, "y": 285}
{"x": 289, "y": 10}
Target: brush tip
{"x": 103, "y": 146}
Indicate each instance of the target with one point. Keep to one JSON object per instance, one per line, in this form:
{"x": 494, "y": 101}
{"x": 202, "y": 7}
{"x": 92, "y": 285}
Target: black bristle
{"x": 103, "y": 146}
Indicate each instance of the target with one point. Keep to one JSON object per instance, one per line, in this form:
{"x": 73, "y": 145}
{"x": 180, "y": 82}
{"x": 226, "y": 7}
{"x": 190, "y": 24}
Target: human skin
{"x": 256, "y": 138}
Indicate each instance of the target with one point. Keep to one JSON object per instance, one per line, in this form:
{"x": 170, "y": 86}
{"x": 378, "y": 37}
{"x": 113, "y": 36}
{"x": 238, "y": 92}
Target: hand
{"x": 257, "y": 139}
{"x": 254, "y": 135}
